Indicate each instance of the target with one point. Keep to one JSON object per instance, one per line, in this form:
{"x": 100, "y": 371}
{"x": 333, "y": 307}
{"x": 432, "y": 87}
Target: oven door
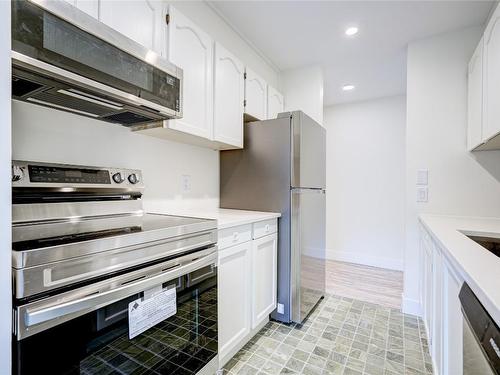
{"x": 161, "y": 319}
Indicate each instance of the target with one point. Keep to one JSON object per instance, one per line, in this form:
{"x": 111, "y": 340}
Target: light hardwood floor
{"x": 371, "y": 284}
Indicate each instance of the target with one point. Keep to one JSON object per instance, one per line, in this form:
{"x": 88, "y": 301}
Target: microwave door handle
{"x": 93, "y": 302}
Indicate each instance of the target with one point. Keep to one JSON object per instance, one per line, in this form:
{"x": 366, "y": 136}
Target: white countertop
{"x": 479, "y": 267}
{"x": 226, "y": 218}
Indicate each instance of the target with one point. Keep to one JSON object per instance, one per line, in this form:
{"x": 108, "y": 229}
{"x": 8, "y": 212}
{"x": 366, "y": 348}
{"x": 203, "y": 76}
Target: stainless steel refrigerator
{"x": 282, "y": 169}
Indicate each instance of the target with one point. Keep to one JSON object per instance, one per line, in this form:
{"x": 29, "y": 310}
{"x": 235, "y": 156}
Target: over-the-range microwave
{"x": 65, "y": 59}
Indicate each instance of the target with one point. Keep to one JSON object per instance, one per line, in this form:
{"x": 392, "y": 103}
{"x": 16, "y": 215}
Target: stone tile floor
{"x": 342, "y": 336}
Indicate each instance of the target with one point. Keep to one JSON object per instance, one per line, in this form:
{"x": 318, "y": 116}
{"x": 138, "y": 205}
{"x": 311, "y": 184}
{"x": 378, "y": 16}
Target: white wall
{"x": 303, "y": 90}
{"x": 44, "y": 134}
{"x": 460, "y": 183}
{"x": 366, "y": 182}
{"x": 5, "y": 189}
{"x": 204, "y": 16}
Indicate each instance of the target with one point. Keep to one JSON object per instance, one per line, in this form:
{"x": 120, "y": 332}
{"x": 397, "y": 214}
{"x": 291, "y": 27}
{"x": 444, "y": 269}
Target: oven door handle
{"x": 57, "y": 313}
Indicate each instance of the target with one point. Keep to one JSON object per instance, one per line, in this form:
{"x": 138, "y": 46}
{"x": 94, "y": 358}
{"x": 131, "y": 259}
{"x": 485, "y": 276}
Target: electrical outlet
{"x": 186, "y": 182}
{"x": 281, "y": 308}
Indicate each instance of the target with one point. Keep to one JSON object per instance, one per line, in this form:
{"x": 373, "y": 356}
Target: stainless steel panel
{"x": 307, "y": 251}
{"x": 475, "y": 360}
{"x": 258, "y": 176}
{"x": 308, "y": 152}
{"x": 38, "y": 279}
{"x": 43, "y": 314}
{"x": 93, "y": 26}
{"x": 20, "y": 167}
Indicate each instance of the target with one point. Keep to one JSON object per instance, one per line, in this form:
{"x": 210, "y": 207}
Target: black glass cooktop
{"x": 42, "y": 235}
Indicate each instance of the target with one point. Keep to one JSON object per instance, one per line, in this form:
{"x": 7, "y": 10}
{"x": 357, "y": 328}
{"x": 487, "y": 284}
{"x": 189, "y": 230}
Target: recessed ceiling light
{"x": 348, "y": 87}
{"x": 350, "y": 31}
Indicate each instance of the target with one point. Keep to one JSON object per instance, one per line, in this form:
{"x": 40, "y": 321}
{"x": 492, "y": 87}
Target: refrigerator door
{"x": 308, "y": 152}
{"x": 307, "y": 251}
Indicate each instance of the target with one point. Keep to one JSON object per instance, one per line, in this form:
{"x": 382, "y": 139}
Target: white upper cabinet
{"x": 229, "y": 94}
{"x": 275, "y": 102}
{"x": 491, "y": 82}
{"x": 475, "y": 99}
{"x": 140, "y": 20}
{"x": 91, "y": 7}
{"x": 255, "y": 96}
{"x": 190, "y": 48}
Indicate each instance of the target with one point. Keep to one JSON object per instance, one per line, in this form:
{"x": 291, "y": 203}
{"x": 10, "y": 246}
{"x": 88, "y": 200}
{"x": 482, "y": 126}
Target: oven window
{"x": 98, "y": 342}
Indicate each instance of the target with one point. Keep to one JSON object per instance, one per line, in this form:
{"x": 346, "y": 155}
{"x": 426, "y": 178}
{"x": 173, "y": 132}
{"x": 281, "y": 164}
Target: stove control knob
{"x": 133, "y": 178}
{"x": 118, "y": 177}
{"x": 17, "y": 173}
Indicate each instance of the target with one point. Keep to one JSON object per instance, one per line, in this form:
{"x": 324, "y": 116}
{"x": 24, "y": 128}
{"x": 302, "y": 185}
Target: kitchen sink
{"x": 491, "y": 244}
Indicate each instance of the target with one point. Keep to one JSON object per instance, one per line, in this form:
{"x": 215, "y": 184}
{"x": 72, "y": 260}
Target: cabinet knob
{"x": 235, "y": 236}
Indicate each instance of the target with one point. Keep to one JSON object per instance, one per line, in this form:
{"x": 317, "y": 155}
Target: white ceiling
{"x": 293, "y": 34}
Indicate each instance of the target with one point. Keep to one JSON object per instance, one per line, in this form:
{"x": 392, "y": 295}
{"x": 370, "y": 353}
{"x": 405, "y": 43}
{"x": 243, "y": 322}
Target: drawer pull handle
{"x": 266, "y": 228}
{"x": 235, "y": 236}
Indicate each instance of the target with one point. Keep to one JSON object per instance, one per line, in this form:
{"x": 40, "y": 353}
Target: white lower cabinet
{"x": 452, "y": 324}
{"x": 234, "y": 296}
{"x": 247, "y": 285}
{"x": 264, "y": 262}
{"x": 440, "y": 286}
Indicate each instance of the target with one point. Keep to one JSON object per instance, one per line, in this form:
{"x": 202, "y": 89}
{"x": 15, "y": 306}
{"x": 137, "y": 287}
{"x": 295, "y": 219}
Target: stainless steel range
{"x": 100, "y": 286}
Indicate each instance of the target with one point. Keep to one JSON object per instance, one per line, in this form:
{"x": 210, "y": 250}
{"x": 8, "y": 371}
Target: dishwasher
{"x": 481, "y": 337}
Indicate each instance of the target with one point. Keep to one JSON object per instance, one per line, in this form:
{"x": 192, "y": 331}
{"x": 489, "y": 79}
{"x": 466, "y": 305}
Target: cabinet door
{"x": 229, "y": 94}
{"x": 255, "y": 96}
{"x": 91, "y": 7}
{"x": 190, "y": 48}
{"x": 452, "y": 322}
{"x": 426, "y": 285}
{"x": 437, "y": 309}
{"x": 234, "y": 297}
{"x": 264, "y": 266}
{"x": 475, "y": 99}
{"x": 275, "y": 102}
{"x": 491, "y": 81}
{"x": 140, "y": 20}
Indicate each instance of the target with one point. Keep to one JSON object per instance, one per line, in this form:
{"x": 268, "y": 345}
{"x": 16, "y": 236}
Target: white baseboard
{"x": 411, "y": 306}
{"x": 367, "y": 260}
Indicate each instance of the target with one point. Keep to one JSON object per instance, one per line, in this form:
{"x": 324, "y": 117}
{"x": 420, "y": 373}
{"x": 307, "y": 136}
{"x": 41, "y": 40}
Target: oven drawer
{"x": 234, "y": 236}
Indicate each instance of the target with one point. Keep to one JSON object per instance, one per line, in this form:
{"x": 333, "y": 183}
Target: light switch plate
{"x": 423, "y": 177}
{"x": 422, "y": 194}
{"x": 186, "y": 182}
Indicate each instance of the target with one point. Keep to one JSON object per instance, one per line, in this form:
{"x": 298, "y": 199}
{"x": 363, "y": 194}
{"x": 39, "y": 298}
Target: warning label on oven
{"x": 146, "y": 313}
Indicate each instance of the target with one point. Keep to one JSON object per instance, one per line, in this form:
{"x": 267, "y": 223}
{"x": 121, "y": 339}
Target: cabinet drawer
{"x": 234, "y": 236}
{"x": 264, "y": 228}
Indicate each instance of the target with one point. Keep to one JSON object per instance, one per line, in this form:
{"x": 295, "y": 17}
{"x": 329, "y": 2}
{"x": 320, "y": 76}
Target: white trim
{"x": 266, "y": 59}
{"x": 367, "y": 260}
{"x": 411, "y": 306}
{"x": 5, "y": 188}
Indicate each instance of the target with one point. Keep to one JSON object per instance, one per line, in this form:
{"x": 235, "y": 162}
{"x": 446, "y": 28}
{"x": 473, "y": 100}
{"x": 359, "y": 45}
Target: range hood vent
{"x": 77, "y": 64}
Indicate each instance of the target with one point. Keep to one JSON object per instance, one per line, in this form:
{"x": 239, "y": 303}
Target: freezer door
{"x": 308, "y": 251}
{"x": 308, "y": 152}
